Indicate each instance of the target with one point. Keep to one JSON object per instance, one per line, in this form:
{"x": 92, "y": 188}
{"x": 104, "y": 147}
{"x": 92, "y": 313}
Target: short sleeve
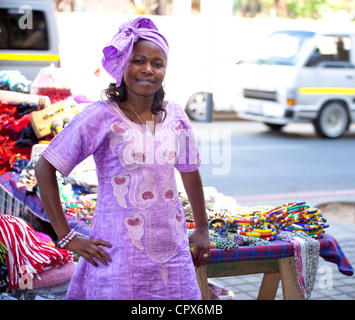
{"x": 189, "y": 159}
{"x": 78, "y": 140}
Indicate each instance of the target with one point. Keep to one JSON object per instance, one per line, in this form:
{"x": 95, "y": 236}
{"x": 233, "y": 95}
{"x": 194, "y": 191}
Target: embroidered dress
{"x": 138, "y": 209}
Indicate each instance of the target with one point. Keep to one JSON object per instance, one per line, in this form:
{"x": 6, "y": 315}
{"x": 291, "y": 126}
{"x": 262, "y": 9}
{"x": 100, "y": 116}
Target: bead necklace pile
{"x": 256, "y": 224}
{"x": 292, "y": 217}
{"x": 298, "y": 216}
{"x": 80, "y": 210}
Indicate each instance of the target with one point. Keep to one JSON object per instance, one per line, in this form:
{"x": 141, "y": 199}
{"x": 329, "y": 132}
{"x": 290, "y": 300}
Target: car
{"x": 28, "y": 36}
{"x": 300, "y": 75}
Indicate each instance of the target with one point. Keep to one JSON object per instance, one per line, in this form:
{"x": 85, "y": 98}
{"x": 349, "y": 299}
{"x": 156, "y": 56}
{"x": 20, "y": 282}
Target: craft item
{"x": 297, "y": 216}
{"x": 256, "y": 224}
{"x": 26, "y": 108}
{"x": 14, "y": 80}
{"x": 57, "y": 126}
{"x": 27, "y": 254}
{"x": 16, "y": 98}
{"x": 41, "y": 121}
{"x": 19, "y": 163}
{"x": 80, "y": 210}
{"x": 306, "y": 253}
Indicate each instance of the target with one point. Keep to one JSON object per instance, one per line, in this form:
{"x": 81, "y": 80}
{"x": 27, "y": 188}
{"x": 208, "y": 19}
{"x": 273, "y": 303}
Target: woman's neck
{"x": 139, "y": 103}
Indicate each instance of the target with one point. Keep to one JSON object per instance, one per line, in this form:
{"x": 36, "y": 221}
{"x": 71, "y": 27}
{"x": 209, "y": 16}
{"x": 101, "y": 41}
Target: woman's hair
{"x": 119, "y": 94}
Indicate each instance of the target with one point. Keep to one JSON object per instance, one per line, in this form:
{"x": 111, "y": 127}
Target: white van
{"x": 300, "y": 76}
{"x": 28, "y": 36}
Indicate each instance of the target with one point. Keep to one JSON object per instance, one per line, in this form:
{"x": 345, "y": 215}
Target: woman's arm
{"x": 200, "y": 237}
{"x": 50, "y": 198}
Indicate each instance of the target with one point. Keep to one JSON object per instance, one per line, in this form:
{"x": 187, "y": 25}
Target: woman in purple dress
{"x": 138, "y": 246}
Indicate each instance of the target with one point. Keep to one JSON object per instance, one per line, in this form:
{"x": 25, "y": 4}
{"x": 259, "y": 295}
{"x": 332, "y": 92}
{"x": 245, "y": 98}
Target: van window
{"x": 281, "y": 48}
{"x": 331, "y": 52}
{"x": 12, "y": 36}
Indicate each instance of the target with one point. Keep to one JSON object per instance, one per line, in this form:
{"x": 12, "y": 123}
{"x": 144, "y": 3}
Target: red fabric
{"x": 11, "y": 124}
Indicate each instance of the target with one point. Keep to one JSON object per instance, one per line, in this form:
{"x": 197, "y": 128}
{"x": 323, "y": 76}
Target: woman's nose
{"x": 148, "y": 69}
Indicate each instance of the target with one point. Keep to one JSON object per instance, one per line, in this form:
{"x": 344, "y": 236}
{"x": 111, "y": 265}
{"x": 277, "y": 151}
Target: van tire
{"x": 332, "y": 120}
{"x": 196, "y": 107}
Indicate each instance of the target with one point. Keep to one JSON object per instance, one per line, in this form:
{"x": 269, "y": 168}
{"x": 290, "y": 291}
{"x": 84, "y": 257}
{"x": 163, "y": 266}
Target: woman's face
{"x": 146, "y": 69}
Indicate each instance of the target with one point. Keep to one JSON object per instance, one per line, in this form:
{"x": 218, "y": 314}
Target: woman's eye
{"x": 158, "y": 65}
{"x": 138, "y": 61}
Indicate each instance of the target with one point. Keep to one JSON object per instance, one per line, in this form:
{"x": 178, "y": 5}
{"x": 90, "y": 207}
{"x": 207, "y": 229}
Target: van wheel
{"x": 332, "y": 121}
{"x": 196, "y": 106}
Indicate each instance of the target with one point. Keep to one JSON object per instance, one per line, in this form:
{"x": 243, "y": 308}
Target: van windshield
{"x": 281, "y": 48}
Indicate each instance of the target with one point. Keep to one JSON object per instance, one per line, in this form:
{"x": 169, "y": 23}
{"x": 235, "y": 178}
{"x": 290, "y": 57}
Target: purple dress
{"x": 138, "y": 209}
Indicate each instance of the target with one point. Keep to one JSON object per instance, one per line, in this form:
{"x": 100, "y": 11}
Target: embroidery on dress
{"x": 179, "y": 224}
{"x": 117, "y": 135}
{"x": 143, "y": 194}
{"x": 120, "y": 188}
{"x": 169, "y": 193}
{"x": 135, "y": 229}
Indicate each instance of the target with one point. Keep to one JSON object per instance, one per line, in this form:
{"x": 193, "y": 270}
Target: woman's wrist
{"x": 65, "y": 240}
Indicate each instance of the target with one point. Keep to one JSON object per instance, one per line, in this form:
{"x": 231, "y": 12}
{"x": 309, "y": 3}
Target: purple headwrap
{"x": 119, "y": 49}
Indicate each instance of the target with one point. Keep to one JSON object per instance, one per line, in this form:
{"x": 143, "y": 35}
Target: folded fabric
{"x": 54, "y": 276}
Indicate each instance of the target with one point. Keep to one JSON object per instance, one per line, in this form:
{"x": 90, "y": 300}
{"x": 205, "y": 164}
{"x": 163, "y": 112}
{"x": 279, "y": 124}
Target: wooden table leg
{"x": 290, "y": 287}
{"x": 269, "y": 286}
{"x": 202, "y": 281}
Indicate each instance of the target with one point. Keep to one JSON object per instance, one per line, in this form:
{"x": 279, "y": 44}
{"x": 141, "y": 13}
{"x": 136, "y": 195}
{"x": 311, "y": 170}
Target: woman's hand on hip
{"x": 90, "y": 249}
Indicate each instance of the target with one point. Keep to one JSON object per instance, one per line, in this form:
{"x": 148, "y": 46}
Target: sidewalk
{"x": 340, "y": 287}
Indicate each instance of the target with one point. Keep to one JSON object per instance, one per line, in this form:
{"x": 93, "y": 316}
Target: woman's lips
{"x": 145, "y": 82}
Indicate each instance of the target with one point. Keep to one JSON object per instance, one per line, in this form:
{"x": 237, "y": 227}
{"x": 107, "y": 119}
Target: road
{"x": 256, "y": 166}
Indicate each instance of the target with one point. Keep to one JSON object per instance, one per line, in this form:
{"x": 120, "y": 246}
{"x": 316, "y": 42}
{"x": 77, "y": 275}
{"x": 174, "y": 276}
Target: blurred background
{"x": 206, "y": 37}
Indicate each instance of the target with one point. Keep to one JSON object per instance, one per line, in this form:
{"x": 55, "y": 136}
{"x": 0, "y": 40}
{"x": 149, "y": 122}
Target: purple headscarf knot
{"x": 118, "y": 50}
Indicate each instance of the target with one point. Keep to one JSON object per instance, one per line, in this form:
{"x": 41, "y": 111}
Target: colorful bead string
{"x": 292, "y": 217}
{"x": 80, "y": 210}
{"x": 296, "y": 217}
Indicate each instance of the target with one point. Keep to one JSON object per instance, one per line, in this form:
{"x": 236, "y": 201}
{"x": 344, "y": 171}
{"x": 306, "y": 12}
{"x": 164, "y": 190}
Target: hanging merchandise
{"x": 306, "y": 253}
{"x": 27, "y": 254}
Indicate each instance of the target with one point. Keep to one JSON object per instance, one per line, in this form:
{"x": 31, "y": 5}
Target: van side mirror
{"x": 314, "y": 59}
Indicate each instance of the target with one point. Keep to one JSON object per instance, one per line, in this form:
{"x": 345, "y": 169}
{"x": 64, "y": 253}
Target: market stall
{"x": 284, "y": 243}
{"x": 30, "y": 115}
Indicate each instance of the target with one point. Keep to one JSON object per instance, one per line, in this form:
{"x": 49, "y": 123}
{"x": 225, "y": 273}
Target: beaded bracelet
{"x": 62, "y": 243}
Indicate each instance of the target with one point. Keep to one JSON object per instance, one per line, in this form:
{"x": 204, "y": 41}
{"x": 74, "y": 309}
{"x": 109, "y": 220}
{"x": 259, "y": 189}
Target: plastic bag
{"x": 53, "y": 83}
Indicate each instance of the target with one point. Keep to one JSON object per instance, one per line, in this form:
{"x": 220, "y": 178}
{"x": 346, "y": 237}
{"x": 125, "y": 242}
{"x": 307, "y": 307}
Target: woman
{"x": 138, "y": 246}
